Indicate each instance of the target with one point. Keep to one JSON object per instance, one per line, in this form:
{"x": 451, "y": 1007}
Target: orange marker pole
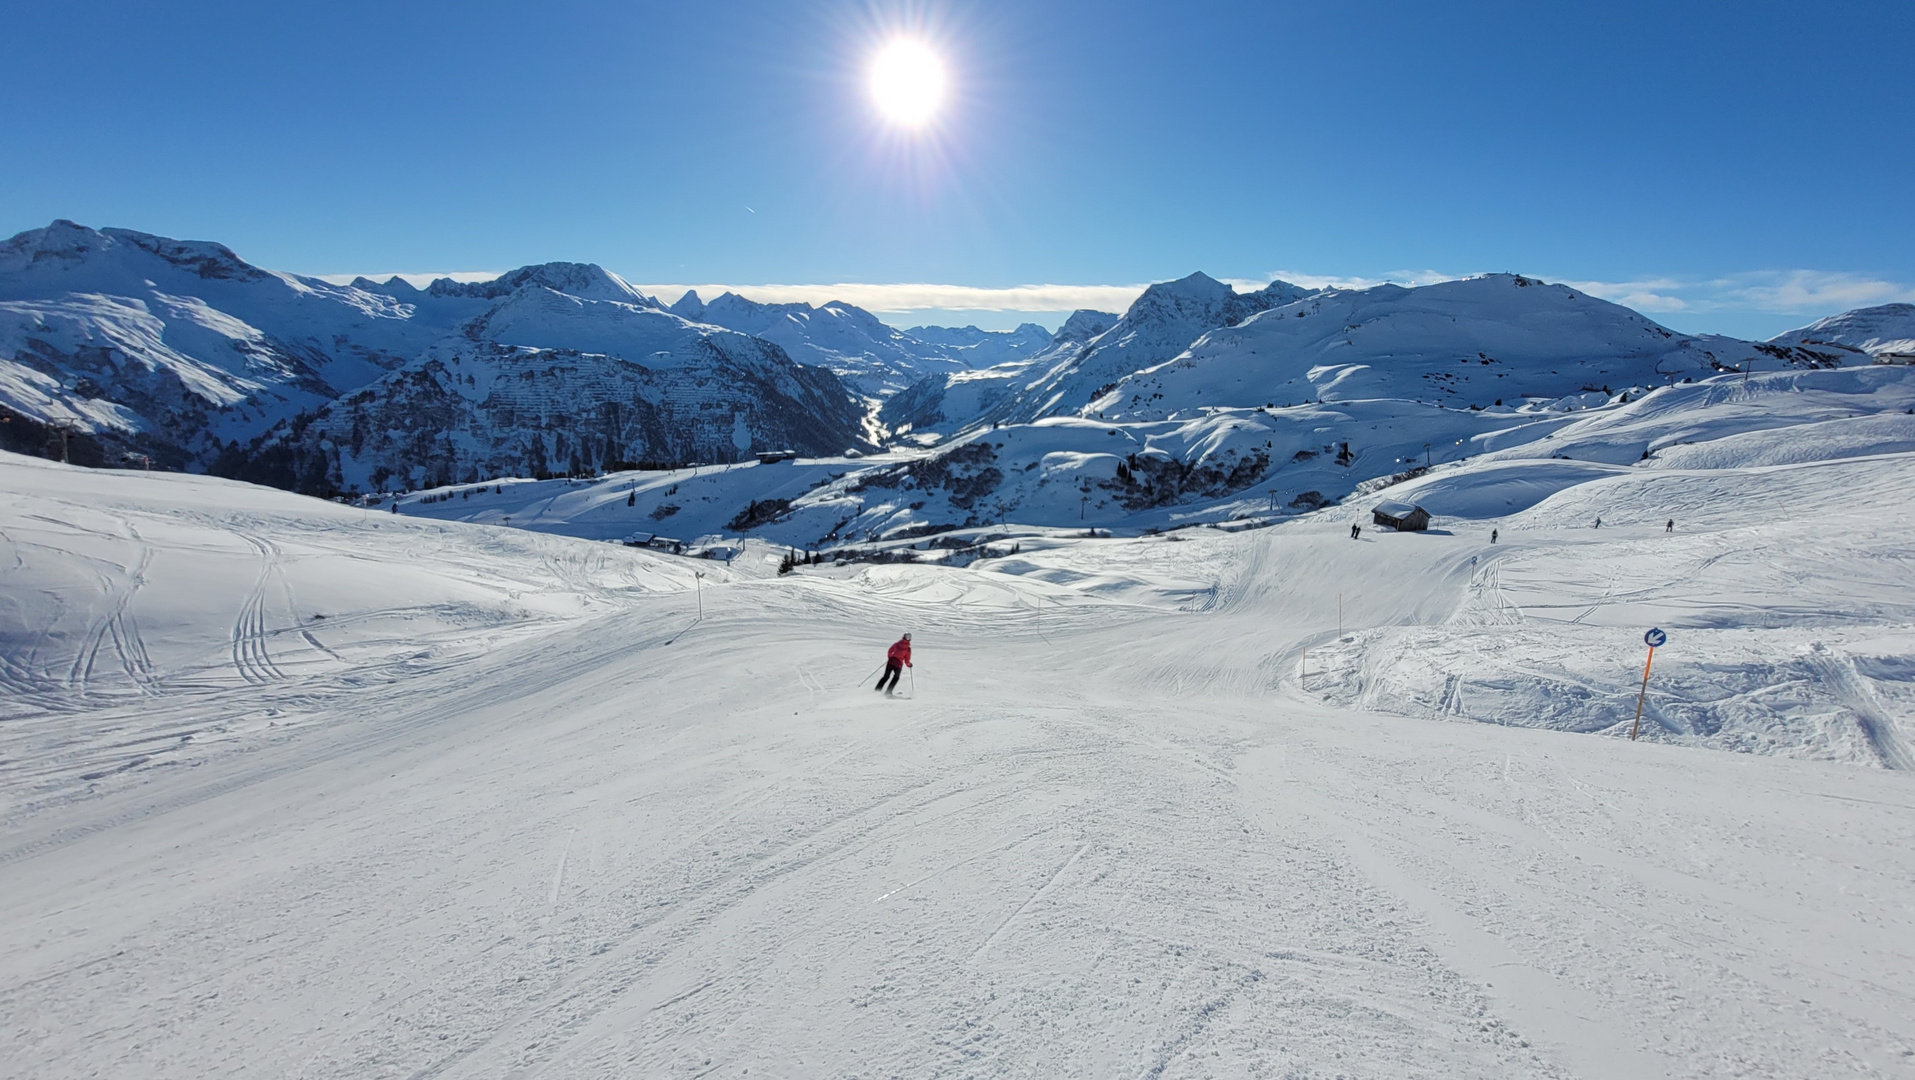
{"x": 1637, "y": 726}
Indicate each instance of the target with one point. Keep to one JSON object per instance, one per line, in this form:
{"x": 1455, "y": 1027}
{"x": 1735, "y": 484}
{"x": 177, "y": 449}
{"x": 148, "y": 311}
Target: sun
{"x": 907, "y": 82}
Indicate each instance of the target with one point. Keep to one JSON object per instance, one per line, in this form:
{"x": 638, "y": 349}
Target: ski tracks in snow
{"x": 251, "y": 658}
{"x": 1852, "y": 691}
{"x": 1048, "y": 885}
{"x": 117, "y": 626}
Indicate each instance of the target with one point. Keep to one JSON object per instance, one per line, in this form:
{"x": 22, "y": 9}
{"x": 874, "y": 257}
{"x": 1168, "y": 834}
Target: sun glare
{"x": 907, "y": 82}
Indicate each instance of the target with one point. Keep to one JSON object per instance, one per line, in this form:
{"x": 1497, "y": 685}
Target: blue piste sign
{"x": 1655, "y": 638}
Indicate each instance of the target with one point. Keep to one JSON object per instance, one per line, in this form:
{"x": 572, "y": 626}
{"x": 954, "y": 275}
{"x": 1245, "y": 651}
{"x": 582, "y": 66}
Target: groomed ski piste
{"x": 295, "y": 789}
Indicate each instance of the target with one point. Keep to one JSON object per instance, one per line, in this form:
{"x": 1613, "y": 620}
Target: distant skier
{"x": 895, "y": 661}
{"x": 1671, "y": 527}
{"x": 1356, "y": 531}
{"x": 1598, "y": 523}
{"x": 1492, "y": 536}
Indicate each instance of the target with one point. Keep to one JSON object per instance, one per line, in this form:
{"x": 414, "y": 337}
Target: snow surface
{"x": 513, "y": 806}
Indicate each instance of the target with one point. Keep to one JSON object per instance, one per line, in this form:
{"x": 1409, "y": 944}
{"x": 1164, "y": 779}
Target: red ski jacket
{"x": 900, "y": 653}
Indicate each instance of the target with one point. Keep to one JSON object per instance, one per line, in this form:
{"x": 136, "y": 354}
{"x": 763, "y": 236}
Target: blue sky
{"x": 1735, "y": 167}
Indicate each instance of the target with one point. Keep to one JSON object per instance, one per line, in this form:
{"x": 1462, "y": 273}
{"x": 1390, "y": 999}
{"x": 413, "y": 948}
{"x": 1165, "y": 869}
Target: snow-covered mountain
{"x": 1886, "y": 332}
{"x": 1159, "y": 325}
{"x": 1493, "y": 341}
{"x": 186, "y": 352}
{"x": 939, "y": 405}
{"x": 178, "y": 347}
{"x": 1086, "y": 357}
{"x": 548, "y": 382}
{"x": 1285, "y": 407}
{"x": 1197, "y": 398}
{"x": 872, "y": 358}
{"x": 589, "y": 281}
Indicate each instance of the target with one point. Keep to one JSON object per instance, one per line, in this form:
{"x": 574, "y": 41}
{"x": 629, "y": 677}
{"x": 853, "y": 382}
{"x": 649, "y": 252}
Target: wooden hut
{"x": 1401, "y": 516}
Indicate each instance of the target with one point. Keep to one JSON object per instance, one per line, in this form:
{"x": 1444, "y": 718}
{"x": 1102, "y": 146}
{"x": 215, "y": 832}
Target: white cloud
{"x": 885, "y": 299}
{"x": 1795, "y": 292}
{"x": 1804, "y": 293}
{"x": 1650, "y": 294}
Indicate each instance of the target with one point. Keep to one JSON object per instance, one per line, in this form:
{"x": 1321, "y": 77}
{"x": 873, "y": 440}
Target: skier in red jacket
{"x": 895, "y": 661}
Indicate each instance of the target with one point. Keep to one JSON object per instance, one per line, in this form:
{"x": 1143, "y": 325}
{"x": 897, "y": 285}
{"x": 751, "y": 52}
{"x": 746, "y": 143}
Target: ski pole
{"x": 867, "y": 678}
{"x": 914, "y": 680}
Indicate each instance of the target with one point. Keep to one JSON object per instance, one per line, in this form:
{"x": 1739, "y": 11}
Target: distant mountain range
{"x": 186, "y": 354}
{"x": 871, "y": 358}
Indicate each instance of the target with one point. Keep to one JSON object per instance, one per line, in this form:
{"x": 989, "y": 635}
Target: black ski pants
{"x": 892, "y": 669}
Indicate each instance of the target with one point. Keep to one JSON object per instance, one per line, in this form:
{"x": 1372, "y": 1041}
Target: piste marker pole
{"x": 1653, "y": 638}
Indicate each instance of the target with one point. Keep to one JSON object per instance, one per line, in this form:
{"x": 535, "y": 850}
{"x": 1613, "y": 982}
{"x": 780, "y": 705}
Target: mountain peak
{"x": 66, "y": 243}
{"x": 1085, "y": 324}
{"x": 1202, "y": 299}
{"x": 1198, "y": 286}
{"x": 689, "y": 306}
{"x": 589, "y": 281}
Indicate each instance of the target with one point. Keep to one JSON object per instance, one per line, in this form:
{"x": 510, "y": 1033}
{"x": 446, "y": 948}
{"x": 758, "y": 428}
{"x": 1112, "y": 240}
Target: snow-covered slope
{"x": 1785, "y": 589}
{"x": 648, "y": 831}
{"x": 874, "y": 359}
{"x": 1887, "y": 332}
{"x": 124, "y": 590}
{"x": 547, "y": 382}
